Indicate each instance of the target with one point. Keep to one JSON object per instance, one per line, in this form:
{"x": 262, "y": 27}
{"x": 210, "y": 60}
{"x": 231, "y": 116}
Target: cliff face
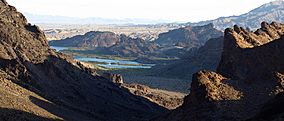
{"x": 38, "y": 83}
{"x": 250, "y": 75}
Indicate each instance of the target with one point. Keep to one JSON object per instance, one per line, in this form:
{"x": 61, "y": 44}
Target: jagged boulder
{"x": 115, "y": 78}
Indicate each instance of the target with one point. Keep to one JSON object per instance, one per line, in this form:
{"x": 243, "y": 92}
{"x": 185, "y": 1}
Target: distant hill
{"x": 273, "y": 11}
{"x": 189, "y": 36}
{"x": 91, "y": 39}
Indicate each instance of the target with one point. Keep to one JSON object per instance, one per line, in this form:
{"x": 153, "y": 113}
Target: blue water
{"x": 115, "y": 64}
{"x": 119, "y": 64}
{"x": 109, "y": 61}
{"x": 58, "y": 48}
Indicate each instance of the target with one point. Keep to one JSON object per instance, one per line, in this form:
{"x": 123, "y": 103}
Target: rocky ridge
{"x": 249, "y": 77}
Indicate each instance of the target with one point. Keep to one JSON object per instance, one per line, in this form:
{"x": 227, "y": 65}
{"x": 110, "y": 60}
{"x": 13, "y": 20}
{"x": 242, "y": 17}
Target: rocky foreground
{"x": 248, "y": 84}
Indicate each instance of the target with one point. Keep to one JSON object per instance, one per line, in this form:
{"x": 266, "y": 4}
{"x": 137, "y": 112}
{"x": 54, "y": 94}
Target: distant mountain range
{"x": 269, "y": 12}
{"x": 273, "y": 11}
{"x": 49, "y": 19}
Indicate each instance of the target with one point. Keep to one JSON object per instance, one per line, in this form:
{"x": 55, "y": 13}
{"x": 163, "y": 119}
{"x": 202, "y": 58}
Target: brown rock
{"x": 115, "y": 78}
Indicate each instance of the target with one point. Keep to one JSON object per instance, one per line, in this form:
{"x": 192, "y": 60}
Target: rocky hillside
{"x": 91, "y": 39}
{"x": 248, "y": 82}
{"x": 269, "y": 12}
{"x": 188, "y": 37}
{"x": 206, "y": 57}
{"x": 37, "y": 83}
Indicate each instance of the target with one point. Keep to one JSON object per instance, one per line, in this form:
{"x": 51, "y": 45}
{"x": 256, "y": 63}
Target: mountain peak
{"x": 272, "y": 11}
{"x": 242, "y": 38}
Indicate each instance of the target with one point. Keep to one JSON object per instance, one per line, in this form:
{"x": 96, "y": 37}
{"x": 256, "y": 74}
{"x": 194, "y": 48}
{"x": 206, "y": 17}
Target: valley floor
{"x": 146, "y": 77}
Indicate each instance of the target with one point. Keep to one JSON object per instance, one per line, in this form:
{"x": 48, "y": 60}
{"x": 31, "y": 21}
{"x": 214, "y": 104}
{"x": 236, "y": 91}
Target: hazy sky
{"x": 174, "y": 10}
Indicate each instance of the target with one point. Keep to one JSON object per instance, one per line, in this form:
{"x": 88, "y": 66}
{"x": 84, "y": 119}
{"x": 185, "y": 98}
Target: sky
{"x": 172, "y": 10}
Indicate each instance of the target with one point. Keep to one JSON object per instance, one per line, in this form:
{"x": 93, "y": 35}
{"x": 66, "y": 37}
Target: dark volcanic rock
{"x": 252, "y": 74}
{"x": 188, "y": 37}
{"x": 38, "y": 80}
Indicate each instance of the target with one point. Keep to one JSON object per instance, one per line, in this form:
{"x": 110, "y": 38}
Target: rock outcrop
{"x": 250, "y": 76}
{"x": 115, "y": 78}
{"x": 249, "y": 56}
{"x": 36, "y": 81}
